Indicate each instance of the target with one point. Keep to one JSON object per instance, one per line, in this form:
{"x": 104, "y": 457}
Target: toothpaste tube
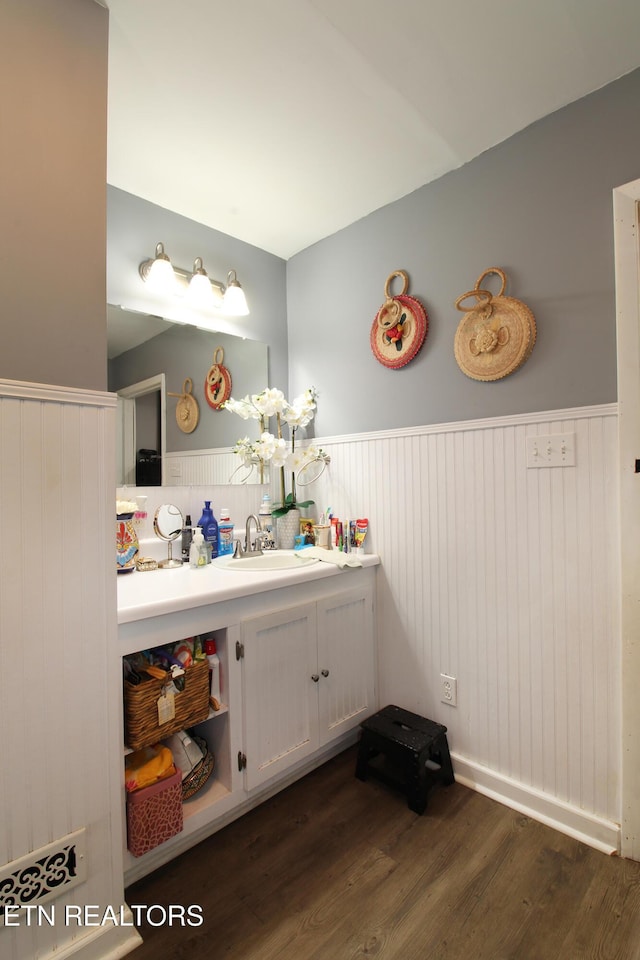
{"x": 334, "y": 532}
{"x": 361, "y": 532}
{"x": 351, "y": 536}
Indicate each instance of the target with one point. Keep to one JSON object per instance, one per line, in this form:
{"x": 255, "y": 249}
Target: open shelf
{"x": 217, "y": 713}
{"x": 212, "y": 792}
{"x": 215, "y": 796}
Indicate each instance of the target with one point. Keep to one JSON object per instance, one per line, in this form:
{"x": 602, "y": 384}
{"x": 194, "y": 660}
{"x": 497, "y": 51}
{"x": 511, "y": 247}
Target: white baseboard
{"x": 110, "y": 942}
{"x": 601, "y": 834}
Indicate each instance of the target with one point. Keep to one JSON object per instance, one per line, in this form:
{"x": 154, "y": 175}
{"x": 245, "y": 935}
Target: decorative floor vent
{"x": 44, "y": 874}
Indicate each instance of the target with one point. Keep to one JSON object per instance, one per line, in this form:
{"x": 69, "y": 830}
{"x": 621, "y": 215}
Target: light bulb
{"x": 161, "y": 278}
{"x": 235, "y": 302}
{"x": 200, "y": 292}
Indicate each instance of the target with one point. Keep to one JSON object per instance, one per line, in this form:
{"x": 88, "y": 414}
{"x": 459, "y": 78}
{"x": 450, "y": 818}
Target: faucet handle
{"x": 237, "y": 550}
{"x": 261, "y": 541}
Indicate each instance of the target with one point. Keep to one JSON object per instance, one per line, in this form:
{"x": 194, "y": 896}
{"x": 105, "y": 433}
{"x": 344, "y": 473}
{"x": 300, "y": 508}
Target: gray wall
{"x": 53, "y": 102}
{"x": 539, "y": 206}
{"x": 184, "y": 351}
{"x": 134, "y": 226}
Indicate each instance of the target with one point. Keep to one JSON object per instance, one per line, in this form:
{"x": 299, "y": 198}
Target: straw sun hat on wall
{"x": 497, "y": 333}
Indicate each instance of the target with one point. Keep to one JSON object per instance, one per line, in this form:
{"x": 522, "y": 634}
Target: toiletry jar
{"x": 154, "y": 814}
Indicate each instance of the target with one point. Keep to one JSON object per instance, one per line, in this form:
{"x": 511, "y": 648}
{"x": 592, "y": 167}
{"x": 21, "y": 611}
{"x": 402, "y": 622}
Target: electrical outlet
{"x": 448, "y": 690}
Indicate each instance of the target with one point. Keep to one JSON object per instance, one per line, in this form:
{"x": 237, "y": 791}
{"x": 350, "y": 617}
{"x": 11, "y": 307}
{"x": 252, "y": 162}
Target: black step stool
{"x": 416, "y": 747}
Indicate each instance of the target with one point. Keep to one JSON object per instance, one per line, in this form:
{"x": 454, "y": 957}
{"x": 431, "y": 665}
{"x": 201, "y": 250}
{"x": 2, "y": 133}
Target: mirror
{"x": 168, "y": 523}
{"x": 150, "y": 360}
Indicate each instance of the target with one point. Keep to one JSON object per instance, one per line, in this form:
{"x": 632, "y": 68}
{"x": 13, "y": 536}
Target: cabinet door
{"x": 280, "y": 694}
{"x": 346, "y": 662}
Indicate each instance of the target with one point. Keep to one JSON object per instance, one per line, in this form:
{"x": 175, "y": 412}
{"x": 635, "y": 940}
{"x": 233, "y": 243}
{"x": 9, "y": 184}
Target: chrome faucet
{"x": 251, "y": 549}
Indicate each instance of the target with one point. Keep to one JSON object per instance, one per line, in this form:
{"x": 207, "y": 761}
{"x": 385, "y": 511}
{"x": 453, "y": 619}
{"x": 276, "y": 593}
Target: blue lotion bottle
{"x": 209, "y": 526}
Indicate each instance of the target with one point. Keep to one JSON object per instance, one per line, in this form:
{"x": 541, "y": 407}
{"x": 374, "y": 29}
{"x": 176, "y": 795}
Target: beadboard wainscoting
{"x": 60, "y": 793}
{"x": 205, "y": 467}
{"x": 506, "y": 577}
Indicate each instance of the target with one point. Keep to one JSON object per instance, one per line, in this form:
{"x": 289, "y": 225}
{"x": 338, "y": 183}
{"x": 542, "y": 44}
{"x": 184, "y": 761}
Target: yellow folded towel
{"x": 147, "y": 766}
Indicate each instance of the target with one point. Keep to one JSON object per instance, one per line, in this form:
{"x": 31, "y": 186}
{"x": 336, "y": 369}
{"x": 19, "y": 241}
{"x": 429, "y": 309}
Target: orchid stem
{"x": 282, "y": 493}
{"x": 293, "y": 476}
{"x": 263, "y": 427}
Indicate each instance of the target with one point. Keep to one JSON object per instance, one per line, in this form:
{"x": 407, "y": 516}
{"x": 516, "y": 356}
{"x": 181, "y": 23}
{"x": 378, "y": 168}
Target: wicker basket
{"x": 141, "y": 727}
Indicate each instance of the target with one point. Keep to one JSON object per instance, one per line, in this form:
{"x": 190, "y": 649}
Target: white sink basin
{"x": 278, "y": 560}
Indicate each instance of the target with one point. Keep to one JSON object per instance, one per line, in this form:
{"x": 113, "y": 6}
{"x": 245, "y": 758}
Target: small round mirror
{"x": 168, "y": 523}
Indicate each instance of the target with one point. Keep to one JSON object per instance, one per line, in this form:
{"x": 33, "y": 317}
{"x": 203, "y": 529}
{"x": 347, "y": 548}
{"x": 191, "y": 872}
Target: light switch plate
{"x": 551, "y": 450}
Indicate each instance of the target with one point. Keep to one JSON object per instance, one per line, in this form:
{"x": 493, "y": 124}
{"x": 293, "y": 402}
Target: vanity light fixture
{"x": 199, "y": 290}
{"x": 160, "y": 274}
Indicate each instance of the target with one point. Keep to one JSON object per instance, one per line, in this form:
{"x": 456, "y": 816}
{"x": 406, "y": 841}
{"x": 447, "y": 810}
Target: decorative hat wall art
{"x": 400, "y": 326}
{"x": 497, "y": 333}
{"x": 187, "y": 410}
{"x": 217, "y": 384}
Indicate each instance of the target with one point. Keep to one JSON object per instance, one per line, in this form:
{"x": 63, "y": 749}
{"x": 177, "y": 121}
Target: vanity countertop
{"x": 156, "y": 592}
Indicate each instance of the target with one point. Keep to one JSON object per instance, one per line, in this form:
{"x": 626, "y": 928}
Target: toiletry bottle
{"x": 187, "y": 536}
{"x": 264, "y": 514}
{"x": 140, "y": 516}
{"x": 225, "y": 533}
{"x": 209, "y": 526}
{"x": 198, "y": 550}
{"x": 334, "y": 533}
{"x": 214, "y": 668}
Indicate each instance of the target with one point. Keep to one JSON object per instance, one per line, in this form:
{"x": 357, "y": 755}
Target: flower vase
{"x": 287, "y": 528}
{"x": 127, "y": 545}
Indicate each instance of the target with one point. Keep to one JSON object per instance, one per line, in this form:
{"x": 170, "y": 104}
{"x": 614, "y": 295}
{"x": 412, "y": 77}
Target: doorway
{"x": 141, "y": 424}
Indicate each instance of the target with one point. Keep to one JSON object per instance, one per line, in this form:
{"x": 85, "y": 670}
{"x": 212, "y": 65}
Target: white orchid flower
{"x": 297, "y": 416}
{"x": 245, "y": 450}
{"x": 280, "y": 453}
{"x": 265, "y": 446}
{"x": 296, "y": 461}
{"x": 269, "y": 402}
{"x": 311, "y": 453}
{"x": 244, "y": 408}
{"x": 300, "y": 413}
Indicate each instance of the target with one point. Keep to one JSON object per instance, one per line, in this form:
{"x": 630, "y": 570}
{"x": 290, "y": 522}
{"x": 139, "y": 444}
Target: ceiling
{"x": 281, "y": 121}
{"x": 126, "y": 330}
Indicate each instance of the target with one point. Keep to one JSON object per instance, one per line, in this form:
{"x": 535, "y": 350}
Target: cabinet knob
{"x": 315, "y": 677}
{"x": 325, "y": 673}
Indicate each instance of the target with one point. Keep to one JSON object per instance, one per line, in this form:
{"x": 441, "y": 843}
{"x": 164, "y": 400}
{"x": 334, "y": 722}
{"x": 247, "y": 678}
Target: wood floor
{"x": 336, "y": 869}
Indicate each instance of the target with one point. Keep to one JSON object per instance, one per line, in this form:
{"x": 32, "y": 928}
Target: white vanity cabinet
{"x": 308, "y": 678}
{"x": 298, "y": 675}
{"x": 279, "y": 658}
{"x": 347, "y": 661}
